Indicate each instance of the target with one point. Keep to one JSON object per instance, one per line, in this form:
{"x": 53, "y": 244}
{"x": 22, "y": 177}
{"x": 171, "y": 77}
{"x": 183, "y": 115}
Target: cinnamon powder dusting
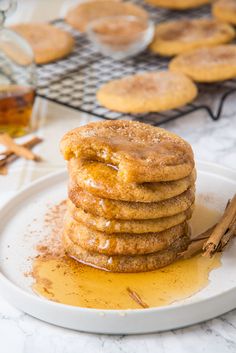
{"x": 51, "y": 245}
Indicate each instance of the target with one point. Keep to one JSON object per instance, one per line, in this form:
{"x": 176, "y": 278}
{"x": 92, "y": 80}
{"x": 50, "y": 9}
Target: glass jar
{"x": 17, "y": 78}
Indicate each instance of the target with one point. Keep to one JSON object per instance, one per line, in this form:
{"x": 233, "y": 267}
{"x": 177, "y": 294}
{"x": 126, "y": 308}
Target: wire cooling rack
{"x": 74, "y": 81}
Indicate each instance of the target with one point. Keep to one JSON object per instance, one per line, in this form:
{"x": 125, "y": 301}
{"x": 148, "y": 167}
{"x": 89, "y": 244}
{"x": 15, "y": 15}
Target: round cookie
{"x": 123, "y": 263}
{"x": 127, "y": 226}
{"x": 81, "y": 15}
{"x": 147, "y": 92}
{"x": 115, "y": 209}
{"x": 141, "y": 152}
{"x": 176, "y": 37}
{"x": 122, "y": 243}
{"x": 178, "y": 4}
{"x": 225, "y": 11}
{"x": 101, "y": 180}
{"x": 48, "y": 42}
{"x": 207, "y": 64}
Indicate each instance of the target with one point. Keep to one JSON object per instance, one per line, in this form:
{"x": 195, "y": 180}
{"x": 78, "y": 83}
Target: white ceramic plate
{"x": 30, "y": 205}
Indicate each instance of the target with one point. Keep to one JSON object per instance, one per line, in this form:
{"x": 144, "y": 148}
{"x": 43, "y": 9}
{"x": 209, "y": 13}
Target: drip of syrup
{"x": 68, "y": 282}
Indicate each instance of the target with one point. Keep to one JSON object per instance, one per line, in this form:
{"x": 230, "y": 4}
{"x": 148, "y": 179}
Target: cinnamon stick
{"x": 3, "y": 170}
{"x": 196, "y": 244}
{"x": 221, "y": 228}
{"x": 19, "y": 150}
{"x": 227, "y": 237}
{"x": 11, "y": 157}
{"x": 137, "y": 298}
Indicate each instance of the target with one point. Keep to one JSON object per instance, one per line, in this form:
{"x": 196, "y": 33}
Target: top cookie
{"x": 175, "y": 37}
{"x": 80, "y": 16}
{"x": 178, "y": 4}
{"x": 48, "y": 42}
{"x": 142, "y": 153}
{"x": 225, "y": 10}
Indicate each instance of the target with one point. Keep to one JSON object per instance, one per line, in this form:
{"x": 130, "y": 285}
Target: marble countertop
{"x": 20, "y": 333}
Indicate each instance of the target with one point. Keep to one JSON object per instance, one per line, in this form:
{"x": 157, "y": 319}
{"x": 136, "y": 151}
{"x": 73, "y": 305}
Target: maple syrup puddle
{"x": 66, "y": 281}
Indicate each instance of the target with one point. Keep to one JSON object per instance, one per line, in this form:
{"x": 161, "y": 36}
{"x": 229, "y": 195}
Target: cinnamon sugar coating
{"x": 141, "y": 153}
{"x": 122, "y": 243}
{"x": 127, "y": 226}
{"x": 115, "y": 209}
{"x": 126, "y": 263}
{"x": 147, "y": 92}
{"x": 176, "y": 37}
{"x": 207, "y": 64}
{"x": 49, "y": 43}
{"x": 102, "y": 180}
{"x": 225, "y": 11}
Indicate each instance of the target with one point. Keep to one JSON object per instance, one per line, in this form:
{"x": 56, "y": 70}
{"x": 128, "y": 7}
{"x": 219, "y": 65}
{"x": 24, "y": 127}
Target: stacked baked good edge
{"x": 131, "y": 192}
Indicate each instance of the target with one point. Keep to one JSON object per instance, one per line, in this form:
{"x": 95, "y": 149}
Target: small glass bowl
{"x": 120, "y": 36}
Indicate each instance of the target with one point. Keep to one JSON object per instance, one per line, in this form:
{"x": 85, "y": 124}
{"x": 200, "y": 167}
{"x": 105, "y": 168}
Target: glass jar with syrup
{"x": 17, "y": 78}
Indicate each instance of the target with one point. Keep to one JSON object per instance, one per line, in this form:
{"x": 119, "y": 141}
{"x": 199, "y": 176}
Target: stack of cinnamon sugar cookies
{"x": 131, "y": 191}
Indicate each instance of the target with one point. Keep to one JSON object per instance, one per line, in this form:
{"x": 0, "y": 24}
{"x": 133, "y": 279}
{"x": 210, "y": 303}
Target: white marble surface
{"x": 20, "y": 333}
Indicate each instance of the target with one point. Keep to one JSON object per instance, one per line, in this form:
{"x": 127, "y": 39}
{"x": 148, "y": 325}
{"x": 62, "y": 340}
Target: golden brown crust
{"x": 115, "y": 209}
{"x": 102, "y": 180}
{"x": 178, "y": 4}
{"x": 123, "y": 263}
{"x": 141, "y": 153}
{"x": 147, "y": 92}
{"x": 225, "y": 11}
{"x": 121, "y": 243}
{"x": 127, "y": 226}
{"x": 207, "y": 64}
{"x": 49, "y": 43}
{"x": 176, "y": 37}
{"x": 80, "y": 15}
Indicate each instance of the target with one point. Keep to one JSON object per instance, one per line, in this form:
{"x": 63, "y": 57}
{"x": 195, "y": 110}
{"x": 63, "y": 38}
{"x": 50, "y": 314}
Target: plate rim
{"x": 201, "y": 166}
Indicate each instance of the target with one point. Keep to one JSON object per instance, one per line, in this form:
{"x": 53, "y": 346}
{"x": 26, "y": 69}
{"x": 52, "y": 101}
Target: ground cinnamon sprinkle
{"x": 120, "y": 30}
{"x": 51, "y": 245}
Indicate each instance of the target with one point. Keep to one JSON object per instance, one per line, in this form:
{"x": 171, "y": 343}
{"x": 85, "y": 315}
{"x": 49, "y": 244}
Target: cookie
{"x": 115, "y": 209}
{"x": 207, "y": 64}
{"x": 122, "y": 243}
{"x": 110, "y": 226}
{"x": 225, "y": 11}
{"x": 48, "y": 42}
{"x": 125, "y": 263}
{"x": 101, "y": 180}
{"x": 80, "y": 16}
{"x": 147, "y": 92}
{"x": 140, "y": 152}
{"x": 178, "y": 4}
{"x": 176, "y": 37}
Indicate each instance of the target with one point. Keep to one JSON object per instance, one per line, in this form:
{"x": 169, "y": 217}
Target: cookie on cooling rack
{"x": 48, "y": 42}
{"x": 225, "y": 10}
{"x": 80, "y": 16}
{"x": 147, "y": 92}
{"x": 178, "y": 4}
{"x": 175, "y": 37}
{"x": 207, "y": 64}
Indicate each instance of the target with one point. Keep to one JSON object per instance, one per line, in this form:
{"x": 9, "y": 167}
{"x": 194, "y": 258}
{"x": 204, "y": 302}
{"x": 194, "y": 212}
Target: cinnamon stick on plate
{"x": 223, "y": 231}
{"x": 196, "y": 244}
{"x": 134, "y": 295}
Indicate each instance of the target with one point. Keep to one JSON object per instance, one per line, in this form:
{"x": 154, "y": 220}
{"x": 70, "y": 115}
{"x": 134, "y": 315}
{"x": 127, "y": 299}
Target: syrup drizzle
{"x": 66, "y": 281}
